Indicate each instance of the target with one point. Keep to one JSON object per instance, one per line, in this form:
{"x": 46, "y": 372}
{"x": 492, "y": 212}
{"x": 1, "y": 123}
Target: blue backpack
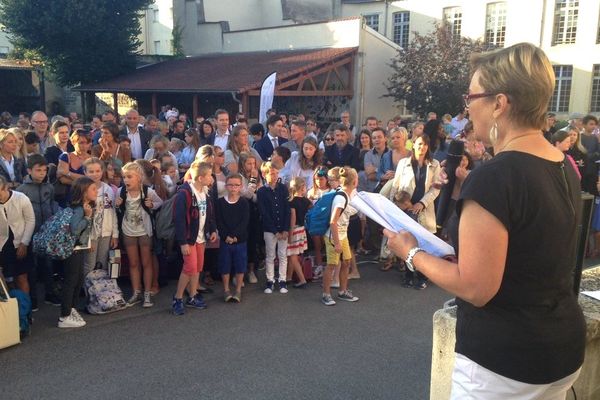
{"x": 317, "y": 218}
{"x": 54, "y": 238}
{"x": 24, "y": 302}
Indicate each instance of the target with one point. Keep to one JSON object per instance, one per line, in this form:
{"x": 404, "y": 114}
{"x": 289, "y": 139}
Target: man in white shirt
{"x": 221, "y": 135}
{"x": 138, "y": 136}
{"x": 458, "y": 123}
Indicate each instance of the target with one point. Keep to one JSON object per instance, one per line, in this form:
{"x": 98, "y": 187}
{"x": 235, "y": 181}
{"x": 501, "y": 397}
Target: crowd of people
{"x": 241, "y": 196}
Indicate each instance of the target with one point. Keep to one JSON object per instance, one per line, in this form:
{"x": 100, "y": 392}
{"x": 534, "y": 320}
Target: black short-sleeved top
{"x": 533, "y": 329}
{"x": 301, "y": 205}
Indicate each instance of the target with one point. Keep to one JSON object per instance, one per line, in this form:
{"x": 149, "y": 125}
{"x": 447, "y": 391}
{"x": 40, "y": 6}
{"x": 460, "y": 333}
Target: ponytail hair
{"x": 154, "y": 177}
{"x": 296, "y": 185}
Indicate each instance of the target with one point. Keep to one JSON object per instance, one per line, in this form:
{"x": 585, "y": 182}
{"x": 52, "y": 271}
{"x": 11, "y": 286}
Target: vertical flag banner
{"x": 267, "y": 92}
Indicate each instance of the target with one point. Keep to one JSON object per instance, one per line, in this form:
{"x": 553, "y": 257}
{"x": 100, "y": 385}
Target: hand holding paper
{"x": 386, "y": 214}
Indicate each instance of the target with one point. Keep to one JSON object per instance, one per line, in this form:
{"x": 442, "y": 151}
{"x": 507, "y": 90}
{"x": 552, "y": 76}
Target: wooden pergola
{"x": 309, "y": 73}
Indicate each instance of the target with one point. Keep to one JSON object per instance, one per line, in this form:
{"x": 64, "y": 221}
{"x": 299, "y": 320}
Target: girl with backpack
{"x": 194, "y": 218}
{"x": 84, "y": 193}
{"x": 105, "y": 229}
{"x": 336, "y": 238}
{"x": 136, "y": 203}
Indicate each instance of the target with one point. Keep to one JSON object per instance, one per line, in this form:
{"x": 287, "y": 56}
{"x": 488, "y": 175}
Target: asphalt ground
{"x": 267, "y": 347}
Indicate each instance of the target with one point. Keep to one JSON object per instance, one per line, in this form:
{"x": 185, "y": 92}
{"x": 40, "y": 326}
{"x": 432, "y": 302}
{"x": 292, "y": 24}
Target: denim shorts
{"x": 233, "y": 258}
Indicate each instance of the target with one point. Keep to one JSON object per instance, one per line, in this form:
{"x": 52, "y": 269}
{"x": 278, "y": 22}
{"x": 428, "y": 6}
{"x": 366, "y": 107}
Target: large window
{"x": 595, "y": 103}
{"x": 453, "y": 17}
{"x": 565, "y": 21}
{"x": 372, "y": 21}
{"x": 562, "y": 89}
{"x": 401, "y": 28}
{"x": 495, "y": 24}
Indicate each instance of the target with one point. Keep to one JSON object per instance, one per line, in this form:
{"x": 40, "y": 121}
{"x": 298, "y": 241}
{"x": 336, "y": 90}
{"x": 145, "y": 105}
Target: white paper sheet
{"x": 593, "y": 294}
{"x": 386, "y": 214}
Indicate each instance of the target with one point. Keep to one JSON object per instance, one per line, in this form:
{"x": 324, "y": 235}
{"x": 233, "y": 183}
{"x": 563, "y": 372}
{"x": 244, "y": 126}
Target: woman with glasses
{"x": 520, "y": 332}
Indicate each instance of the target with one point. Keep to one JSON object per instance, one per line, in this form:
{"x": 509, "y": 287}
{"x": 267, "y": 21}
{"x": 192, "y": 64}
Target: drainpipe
{"x": 237, "y": 101}
{"x": 543, "y": 22}
{"x": 361, "y": 111}
{"x": 385, "y": 18}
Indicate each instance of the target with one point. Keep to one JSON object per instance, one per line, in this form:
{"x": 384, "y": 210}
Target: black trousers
{"x": 73, "y": 270}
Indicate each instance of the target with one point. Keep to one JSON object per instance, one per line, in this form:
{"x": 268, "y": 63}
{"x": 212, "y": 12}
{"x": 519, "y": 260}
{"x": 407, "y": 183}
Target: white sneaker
{"x": 252, "y": 277}
{"x": 70, "y": 321}
{"x": 147, "y": 300}
{"x": 75, "y": 314}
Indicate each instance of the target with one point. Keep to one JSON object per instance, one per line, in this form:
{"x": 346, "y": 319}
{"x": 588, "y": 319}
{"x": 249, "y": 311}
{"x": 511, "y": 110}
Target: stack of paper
{"x": 388, "y": 215}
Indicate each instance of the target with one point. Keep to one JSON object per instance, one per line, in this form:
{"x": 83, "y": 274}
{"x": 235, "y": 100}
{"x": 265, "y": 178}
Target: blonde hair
{"x": 4, "y": 133}
{"x": 348, "y": 176}
{"x": 334, "y": 173}
{"x": 403, "y": 134}
{"x": 21, "y": 151}
{"x": 524, "y": 74}
{"x": 296, "y": 185}
{"x": 135, "y": 168}
{"x": 266, "y": 166}
{"x": 205, "y": 152}
{"x": 199, "y": 168}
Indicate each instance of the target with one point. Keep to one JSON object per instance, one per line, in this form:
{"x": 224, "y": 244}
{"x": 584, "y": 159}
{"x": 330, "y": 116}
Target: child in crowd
{"x": 233, "y": 215}
{"x": 110, "y": 177}
{"x": 320, "y": 187}
{"x": 297, "y": 242}
{"x": 17, "y": 223}
{"x": 153, "y": 179}
{"x": 336, "y": 237}
{"x": 275, "y": 211}
{"x": 280, "y": 156}
{"x": 170, "y": 176}
{"x": 194, "y": 219}
{"x": 41, "y": 195}
{"x": 136, "y": 203}
{"x": 105, "y": 228}
{"x": 250, "y": 184}
{"x": 83, "y": 197}
{"x": 333, "y": 178}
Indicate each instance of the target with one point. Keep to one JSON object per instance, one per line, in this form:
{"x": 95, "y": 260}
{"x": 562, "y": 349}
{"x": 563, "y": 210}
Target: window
{"x": 453, "y": 17}
{"x": 157, "y": 47}
{"x": 562, "y": 89}
{"x": 401, "y": 26}
{"x": 495, "y": 24}
{"x": 155, "y": 15}
{"x": 595, "y": 103}
{"x": 372, "y": 21}
{"x": 565, "y": 21}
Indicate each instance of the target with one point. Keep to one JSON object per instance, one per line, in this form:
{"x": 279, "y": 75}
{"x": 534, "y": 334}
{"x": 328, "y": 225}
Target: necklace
{"x": 513, "y": 139}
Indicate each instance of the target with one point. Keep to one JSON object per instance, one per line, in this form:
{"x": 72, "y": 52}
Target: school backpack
{"x": 54, "y": 239}
{"x": 164, "y": 217}
{"x": 317, "y": 218}
{"x": 104, "y": 294}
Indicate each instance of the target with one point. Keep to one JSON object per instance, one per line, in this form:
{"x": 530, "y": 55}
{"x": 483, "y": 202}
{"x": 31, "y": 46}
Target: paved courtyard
{"x": 268, "y": 347}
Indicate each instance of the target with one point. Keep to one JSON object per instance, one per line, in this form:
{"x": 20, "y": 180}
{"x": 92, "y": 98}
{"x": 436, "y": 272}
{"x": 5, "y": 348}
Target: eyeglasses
{"x": 329, "y": 139}
{"x": 473, "y": 96}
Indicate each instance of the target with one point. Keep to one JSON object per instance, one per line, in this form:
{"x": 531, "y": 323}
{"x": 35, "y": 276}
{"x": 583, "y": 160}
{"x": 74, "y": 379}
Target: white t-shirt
{"x": 133, "y": 221}
{"x": 344, "y": 220}
{"x": 202, "y": 206}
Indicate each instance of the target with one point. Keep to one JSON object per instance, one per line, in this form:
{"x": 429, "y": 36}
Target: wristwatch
{"x": 409, "y": 258}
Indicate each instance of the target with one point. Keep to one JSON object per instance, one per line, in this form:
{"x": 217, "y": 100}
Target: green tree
{"x": 177, "y": 41}
{"x": 77, "y": 41}
{"x": 433, "y": 72}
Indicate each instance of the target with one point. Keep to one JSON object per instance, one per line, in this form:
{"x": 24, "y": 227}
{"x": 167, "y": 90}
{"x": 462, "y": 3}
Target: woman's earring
{"x": 494, "y": 133}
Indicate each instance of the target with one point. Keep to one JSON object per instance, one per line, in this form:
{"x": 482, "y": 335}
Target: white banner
{"x": 267, "y": 92}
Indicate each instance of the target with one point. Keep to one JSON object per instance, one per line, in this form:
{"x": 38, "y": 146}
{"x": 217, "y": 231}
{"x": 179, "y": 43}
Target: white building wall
{"x": 5, "y": 45}
{"x": 157, "y": 28}
{"x": 335, "y": 34}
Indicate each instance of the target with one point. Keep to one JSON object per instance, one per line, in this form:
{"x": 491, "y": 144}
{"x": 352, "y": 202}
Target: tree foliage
{"x": 177, "y": 41}
{"x": 433, "y": 72}
{"x": 78, "y": 41}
